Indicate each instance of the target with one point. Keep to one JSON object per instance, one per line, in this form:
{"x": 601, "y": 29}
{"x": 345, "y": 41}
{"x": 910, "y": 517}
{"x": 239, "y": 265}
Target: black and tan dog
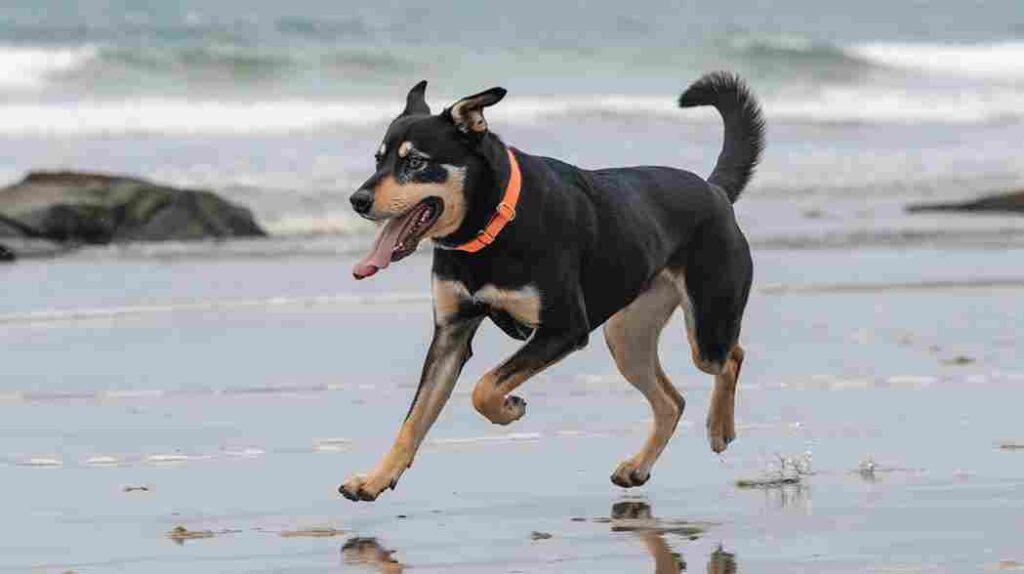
{"x": 549, "y": 252}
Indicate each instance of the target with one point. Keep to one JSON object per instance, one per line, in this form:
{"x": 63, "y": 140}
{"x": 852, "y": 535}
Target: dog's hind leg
{"x": 632, "y": 337}
{"x": 714, "y": 295}
{"x": 721, "y": 423}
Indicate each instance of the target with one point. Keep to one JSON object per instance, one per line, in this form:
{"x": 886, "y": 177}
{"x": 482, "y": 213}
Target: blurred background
{"x": 279, "y": 105}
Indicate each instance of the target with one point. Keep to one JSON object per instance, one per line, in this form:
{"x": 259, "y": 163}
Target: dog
{"x": 549, "y": 252}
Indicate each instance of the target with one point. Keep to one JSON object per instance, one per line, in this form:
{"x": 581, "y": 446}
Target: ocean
{"x": 280, "y": 106}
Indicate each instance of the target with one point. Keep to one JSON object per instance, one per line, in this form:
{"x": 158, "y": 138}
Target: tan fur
{"x": 448, "y": 297}
{"x": 489, "y": 401}
{"x": 369, "y": 552}
{"x": 468, "y": 115}
{"x": 450, "y": 347}
{"x": 632, "y": 336}
{"x": 392, "y": 199}
{"x": 721, "y": 423}
{"x": 523, "y": 304}
{"x": 404, "y": 149}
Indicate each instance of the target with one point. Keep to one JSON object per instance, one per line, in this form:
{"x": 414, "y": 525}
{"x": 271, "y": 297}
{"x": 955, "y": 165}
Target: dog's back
{"x": 636, "y": 221}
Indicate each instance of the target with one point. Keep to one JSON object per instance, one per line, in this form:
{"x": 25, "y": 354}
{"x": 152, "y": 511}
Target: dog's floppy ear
{"x": 468, "y": 113}
{"x": 415, "y": 102}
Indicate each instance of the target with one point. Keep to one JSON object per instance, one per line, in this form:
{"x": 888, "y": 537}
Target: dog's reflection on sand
{"x": 369, "y": 552}
{"x": 627, "y": 516}
{"x": 637, "y": 517}
{"x": 721, "y": 562}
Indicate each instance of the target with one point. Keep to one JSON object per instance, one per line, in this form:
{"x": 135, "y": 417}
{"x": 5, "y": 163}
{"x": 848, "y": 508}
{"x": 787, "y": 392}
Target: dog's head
{"x": 419, "y": 189}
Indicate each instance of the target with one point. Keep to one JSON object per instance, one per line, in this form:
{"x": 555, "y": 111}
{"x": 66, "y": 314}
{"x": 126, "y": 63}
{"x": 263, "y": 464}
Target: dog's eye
{"x": 415, "y": 162}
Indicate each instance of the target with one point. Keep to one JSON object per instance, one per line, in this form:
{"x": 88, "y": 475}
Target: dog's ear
{"x": 468, "y": 113}
{"x": 416, "y": 102}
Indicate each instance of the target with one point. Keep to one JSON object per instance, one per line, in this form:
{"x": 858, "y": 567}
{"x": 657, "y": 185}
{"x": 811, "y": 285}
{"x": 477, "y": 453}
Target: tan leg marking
{"x": 494, "y": 403}
{"x": 632, "y": 336}
{"x": 721, "y": 423}
{"x": 448, "y": 297}
{"x": 721, "y": 415}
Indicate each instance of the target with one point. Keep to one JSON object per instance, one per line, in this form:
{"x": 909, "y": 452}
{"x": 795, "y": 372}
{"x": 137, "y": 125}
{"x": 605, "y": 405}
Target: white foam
{"x": 248, "y": 452}
{"x": 825, "y": 104}
{"x": 102, "y": 461}
{"x": 26, "y": 68}
{"x": 983, "y": 61}
{"x": 340, "y": 223}
{"x": 891, "y": 105}
{"x": 331, "y": 444}
{"x": 911, "y": 381}
{"x": 183, "y": 117}
{"x": 94, "y": 313}
{"x": 42, "y": 462}
{"x": 511, "y": 437}
{"x": 171, "y": 459}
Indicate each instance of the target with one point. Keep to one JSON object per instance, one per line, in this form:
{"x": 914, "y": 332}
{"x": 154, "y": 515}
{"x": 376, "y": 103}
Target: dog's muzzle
{"x": 362, "y": 201}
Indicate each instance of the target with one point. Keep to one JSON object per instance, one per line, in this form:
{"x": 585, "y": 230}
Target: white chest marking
{"x": 523, "y": 304}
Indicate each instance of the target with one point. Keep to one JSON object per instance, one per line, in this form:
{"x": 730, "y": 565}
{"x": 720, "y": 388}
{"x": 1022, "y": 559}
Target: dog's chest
{"x": 523, "y": 303}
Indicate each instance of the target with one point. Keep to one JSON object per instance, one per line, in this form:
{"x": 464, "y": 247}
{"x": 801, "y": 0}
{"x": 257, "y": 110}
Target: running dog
{"x": 549, "y": 252}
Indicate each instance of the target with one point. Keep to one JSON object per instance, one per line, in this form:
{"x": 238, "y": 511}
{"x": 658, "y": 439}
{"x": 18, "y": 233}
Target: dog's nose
{"x": 362, "y": 200}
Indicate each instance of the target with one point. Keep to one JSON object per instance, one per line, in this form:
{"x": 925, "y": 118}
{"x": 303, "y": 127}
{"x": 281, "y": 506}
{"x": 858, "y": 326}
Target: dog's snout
{"x": 362, "y": 200}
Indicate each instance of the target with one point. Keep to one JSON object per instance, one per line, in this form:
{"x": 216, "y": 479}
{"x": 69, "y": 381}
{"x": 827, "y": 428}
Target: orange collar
{"x": 506, "y": 210}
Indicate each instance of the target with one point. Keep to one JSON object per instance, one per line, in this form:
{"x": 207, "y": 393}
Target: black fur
{"x": 744, "y": 128}
{"x": 590, "y": 241}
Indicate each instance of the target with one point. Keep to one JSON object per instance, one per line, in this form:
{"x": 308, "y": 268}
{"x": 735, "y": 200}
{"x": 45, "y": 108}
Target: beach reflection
{"x": 637, "y": 517}
{"x": 369, "y": 552}
{"x": 633, "y": 516}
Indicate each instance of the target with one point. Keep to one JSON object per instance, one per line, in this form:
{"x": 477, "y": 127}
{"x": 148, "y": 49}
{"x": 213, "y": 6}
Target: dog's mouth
{"x": 400, "y": 237}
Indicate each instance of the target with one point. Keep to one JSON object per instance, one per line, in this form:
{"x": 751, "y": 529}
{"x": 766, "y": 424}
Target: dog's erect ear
{"x": 468, "y": 113}
{"x": 415, "y": 102}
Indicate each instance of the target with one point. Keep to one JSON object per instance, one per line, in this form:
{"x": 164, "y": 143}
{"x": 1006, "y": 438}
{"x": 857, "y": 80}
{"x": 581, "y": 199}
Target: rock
{"x": 72, "y": 207}
{"x": 6, "y": 255}
{"x": 1012, "y": 202}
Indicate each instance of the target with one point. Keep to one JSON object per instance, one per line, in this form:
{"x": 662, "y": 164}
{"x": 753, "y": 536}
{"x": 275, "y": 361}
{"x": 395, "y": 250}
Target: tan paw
{"x": 359, "y": 487}
{"x": 512, "y": 409}
{"x": 630, "y": 474}
{"x": 721, "y": 432}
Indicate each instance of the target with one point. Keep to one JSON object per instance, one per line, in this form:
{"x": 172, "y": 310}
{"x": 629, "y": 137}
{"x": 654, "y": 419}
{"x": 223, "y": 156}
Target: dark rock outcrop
{"x": 76, "y": 208}
{"x": 1004, "y": 202}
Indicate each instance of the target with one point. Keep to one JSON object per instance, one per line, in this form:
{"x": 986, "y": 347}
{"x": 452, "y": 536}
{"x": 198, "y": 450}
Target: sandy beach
{"x": 228, "y": 398}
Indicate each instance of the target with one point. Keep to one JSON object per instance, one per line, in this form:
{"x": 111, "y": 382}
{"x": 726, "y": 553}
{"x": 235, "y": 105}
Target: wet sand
{"x": 198, "y": 414}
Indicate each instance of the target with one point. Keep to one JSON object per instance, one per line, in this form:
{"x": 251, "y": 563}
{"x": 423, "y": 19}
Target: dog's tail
{"x": 744, "y": 128}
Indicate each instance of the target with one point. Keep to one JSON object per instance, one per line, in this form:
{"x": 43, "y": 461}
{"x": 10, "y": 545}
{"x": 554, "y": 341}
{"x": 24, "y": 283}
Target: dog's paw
{"x": 630, "y": 474}
{"x": 721, "y": 432}
{"x": 514, "y": 409}
{"x": 367, "y": 488}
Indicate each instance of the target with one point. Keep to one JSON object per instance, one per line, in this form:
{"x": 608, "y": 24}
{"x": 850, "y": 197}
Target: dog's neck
{"x": 484, "y": 189}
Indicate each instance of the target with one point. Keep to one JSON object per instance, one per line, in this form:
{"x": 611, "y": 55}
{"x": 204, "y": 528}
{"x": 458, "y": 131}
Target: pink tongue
{"x": 380, "y": 256}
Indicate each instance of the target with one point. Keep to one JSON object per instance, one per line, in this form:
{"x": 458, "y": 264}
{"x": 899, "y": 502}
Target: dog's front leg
{"x": 546, "y": 347}
{"x": 449, "y": 351}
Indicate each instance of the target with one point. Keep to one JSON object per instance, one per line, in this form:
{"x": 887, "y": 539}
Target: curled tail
{"x": 744, "y": 127}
